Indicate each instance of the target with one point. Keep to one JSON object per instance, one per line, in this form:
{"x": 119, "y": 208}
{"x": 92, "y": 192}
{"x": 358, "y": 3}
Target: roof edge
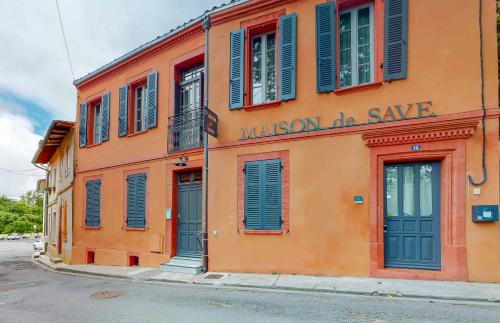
{"x": 156, "y": 41}
{"x": 43, "y": 142}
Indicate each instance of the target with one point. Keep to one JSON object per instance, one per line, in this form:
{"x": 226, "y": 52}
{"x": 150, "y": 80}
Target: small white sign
{"x": 487, "y": 214}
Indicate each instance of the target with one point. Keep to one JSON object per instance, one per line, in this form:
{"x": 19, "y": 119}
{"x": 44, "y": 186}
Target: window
{"x": 264, "y": 68}
{"x": 136, "y": 200}
{"x": 94, "y": 121}
{"x": 54, "y": 179}
{"x": 65, "y": 221}
{"x": 140, "y": 108}
{"x": 68, "y": 161}
{"x": 137, "y": 105}
{"x": 93, "y": 203}
{"x": 190, "y": 91}
{"x": 356, "y": 46}
{"x": 360, "y": 45}
{"x": 262, "y": 61}
{"x": 97, "y": 123}
{"x": 53, "y": 228}
{"x": 263, "y": 185}
{"x": 186, "y": 125}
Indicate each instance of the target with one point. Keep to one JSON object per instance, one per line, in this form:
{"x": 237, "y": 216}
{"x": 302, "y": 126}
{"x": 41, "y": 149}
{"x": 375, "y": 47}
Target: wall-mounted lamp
{"x": 182, "y": 161}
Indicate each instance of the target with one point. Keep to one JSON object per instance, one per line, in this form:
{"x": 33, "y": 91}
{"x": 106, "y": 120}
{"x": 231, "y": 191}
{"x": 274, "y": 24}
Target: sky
{"x": 36, "y": 83}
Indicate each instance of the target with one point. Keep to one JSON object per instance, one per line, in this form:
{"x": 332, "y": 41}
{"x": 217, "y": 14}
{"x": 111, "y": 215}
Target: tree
{"x": 20, "y": 216}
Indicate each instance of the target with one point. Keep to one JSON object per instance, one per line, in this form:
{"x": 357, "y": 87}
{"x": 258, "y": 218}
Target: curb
{"x": 86, "y": 273}
{"x": 282, "y": 288}
{"x": 335, "y": 291}
{"x": 373, "y": 293}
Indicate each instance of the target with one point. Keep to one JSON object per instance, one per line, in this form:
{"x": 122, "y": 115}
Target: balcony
{"x": 185, "y": 130}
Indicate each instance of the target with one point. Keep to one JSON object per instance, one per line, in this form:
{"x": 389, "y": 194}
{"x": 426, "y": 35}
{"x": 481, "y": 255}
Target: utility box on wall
{"x": 485, "y": 213}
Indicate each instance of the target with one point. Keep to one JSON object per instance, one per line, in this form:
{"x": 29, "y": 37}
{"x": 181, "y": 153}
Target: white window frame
{"x": 354, "y": 45}
{"x": 143, "y": 108}
{"x": 263, "y": 67}
{"x": 97, "y": 121}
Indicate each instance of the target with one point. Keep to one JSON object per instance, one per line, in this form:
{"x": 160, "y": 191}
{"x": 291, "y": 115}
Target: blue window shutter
{"x": 123, "y": 111}
{"x": 253, "y": 196}
{"x": 140, "y": 195}
{"x": 271, "y": 195}
{"x": 152, "y": 97}
{"x": 93, "y": 203}
{"x": 325, "y": 47}
{"x": 395, "y": 39}
{"x": 105, "y": 117}
{"x": 287, "y": 57}
{"x": 236, "y": 69}
{"x": 131, "y": 201}
{"x": 136, "y": 200}
{"x": 82, "y": 131}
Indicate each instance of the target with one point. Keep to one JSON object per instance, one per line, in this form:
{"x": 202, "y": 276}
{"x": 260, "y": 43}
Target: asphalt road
{"x": 29, "y": 293}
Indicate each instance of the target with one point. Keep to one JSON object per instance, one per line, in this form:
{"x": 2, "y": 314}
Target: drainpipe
{"x": 206, "y": 27}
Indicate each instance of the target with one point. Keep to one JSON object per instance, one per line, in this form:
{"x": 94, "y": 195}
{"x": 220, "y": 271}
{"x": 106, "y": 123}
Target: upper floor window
{"x": 262, "y": 60}
{"x": 93, "y": 121}
{"x": 137, "y": 105}
{"x": 264, "y": 68}
{"x": 140, "y": 108}
{"x": 190, "y": 91}
{"x": 185, "y": 126}
{"x": 360, "y": 42}
{"x": 68, "y": 161}
{"x": 97, "y": 122}
{"x": 356, "y": 46}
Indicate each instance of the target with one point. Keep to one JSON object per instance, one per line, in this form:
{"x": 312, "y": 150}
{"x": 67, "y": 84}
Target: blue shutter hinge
{"x": 244, "y": 171}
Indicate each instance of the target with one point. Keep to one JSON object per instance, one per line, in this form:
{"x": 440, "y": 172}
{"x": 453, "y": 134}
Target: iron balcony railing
{"x": 185, "y": 130}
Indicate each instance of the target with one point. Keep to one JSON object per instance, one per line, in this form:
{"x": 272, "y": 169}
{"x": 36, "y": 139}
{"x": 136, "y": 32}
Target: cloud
{"x": 18, "y": 143}
{"x": 34, "y": 64}
{"x": 36, "y": 84}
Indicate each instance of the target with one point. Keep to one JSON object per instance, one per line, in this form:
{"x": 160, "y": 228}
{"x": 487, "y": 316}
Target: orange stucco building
{"x": 347, "y": 131}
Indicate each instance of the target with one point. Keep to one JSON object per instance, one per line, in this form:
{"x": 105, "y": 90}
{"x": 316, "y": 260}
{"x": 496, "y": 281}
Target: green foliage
{"x": 20, "y": 216}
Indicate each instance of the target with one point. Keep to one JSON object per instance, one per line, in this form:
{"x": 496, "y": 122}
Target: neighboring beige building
{"x": 55, "y": 152}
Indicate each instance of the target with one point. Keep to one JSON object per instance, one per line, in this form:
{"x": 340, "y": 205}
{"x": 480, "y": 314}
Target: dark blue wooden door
{"x": 189, "y": 217}
{"x": 411, "y": 215}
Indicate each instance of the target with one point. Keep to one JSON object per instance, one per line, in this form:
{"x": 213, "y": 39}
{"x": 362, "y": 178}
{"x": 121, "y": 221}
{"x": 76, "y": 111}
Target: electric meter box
{"x": 485, "y": 213}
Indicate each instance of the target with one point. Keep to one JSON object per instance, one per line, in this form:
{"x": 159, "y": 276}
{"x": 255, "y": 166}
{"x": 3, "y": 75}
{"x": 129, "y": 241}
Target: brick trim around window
{"x": 125, "y": 188}
{"x": 285, "y": 190}
{"x": 253, "y": 27}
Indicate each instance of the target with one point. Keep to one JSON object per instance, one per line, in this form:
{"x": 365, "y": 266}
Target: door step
{"x": 55, "y": 260}
{"x": 182, "y": 265}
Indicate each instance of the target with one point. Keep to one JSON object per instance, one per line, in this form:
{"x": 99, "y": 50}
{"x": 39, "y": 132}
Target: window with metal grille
{"x": 186, "y": 125}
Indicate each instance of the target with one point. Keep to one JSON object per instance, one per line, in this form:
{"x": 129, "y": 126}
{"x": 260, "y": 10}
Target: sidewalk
{"x": 461, "y": 291}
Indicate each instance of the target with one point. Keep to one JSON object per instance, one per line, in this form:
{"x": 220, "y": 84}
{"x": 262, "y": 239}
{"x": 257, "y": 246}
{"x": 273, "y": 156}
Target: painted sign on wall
{"x": 394, "y": 113}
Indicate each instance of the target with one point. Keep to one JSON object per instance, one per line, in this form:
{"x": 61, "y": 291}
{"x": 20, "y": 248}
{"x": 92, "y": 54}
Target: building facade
{"x": 55, "y": 152}
{"x": 350, "y": 142}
